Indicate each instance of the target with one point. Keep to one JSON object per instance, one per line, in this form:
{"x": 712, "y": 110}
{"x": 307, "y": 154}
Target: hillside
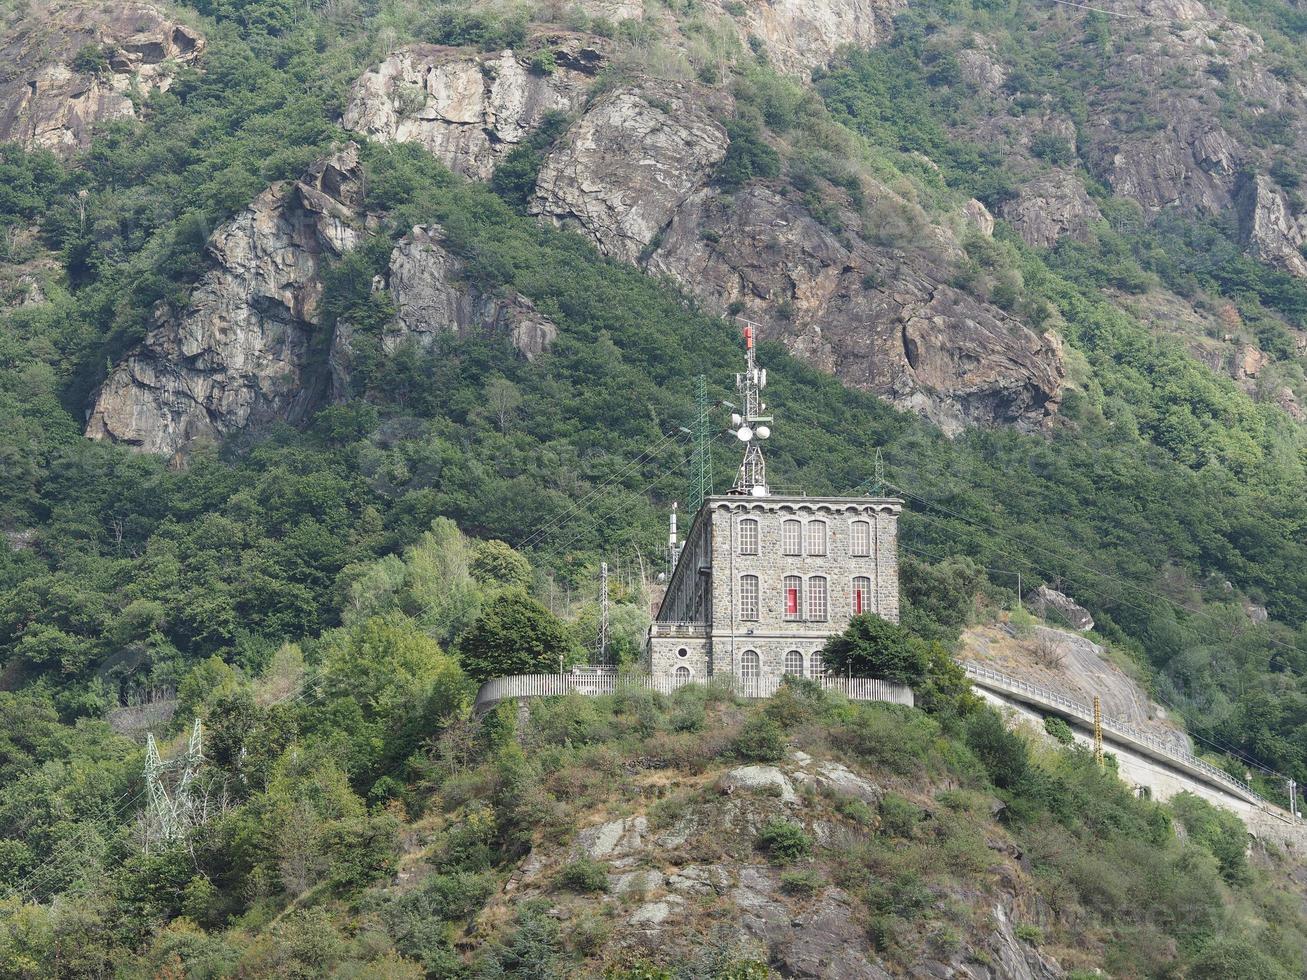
{"x": 323, "y": 327}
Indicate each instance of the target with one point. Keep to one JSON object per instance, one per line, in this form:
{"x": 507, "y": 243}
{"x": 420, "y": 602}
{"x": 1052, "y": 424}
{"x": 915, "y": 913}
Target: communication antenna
{"x": 602, "y": 643}
{"x": 751, "y": 425}
{"x": 878, "y": 481}
{"x": 701, "y": 461}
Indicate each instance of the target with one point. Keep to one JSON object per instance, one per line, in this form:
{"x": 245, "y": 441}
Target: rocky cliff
{"x": 243, "y": 350}
{"x": 251, "y": 348}
{"x": 469, "y": 109}
{"x": 69, "y": 67}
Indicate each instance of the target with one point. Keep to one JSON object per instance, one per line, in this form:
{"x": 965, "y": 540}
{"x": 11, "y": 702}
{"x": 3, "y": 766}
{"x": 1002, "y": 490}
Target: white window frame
{"x": 818, "y": 599}
{"x": 749, "y": 610}
{"x": 749, "y": 536}
{"x": 867, "y": 600}
{"x": 817, "y": 538}
{"x": 797, "y": 615}
{"x": 682, "y": 676}
{"x": 792, "y": 537}
{"x": 816, "y": 664}
{"x": 860, "y": 539}
{"x": 792, "y": 667}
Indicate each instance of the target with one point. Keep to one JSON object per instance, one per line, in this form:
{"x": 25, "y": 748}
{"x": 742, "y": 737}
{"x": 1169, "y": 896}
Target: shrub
{"x": 874, "y": 647}
{"x": 583, "y": 876}
{"x": 784, "y": 841}
{"x": 1030, "y": 934}
{"x": 805, "y": 881}
{"x": 1059, "y": 729}
{"x": 760, "y": 740}
{"x": 898, "y": 817}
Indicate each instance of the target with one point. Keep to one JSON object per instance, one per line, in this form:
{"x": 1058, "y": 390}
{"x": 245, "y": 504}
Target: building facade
{"x": 763, "y": 581}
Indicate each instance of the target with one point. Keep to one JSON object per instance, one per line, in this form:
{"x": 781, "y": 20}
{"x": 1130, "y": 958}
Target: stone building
{"x": 763, "y": 579}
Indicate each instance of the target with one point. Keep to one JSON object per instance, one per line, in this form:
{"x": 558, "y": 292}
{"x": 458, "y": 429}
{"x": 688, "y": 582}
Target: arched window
{"x": 794, "y": 663}
{"x": 792, "y": 587}
{"x": 682, "y": 676}
{"x": 748, "y": 596}
{"x": 749, "y": 536}
{"x": 817, "y": 604}
{"x": 791, "y": 538}
{"x": 860, "y": 539}
{"x": 816, "y": 537}
{"x": 750, "y": 673}
{"x": 861, "y": 595}
{"x": 816, "y": 665}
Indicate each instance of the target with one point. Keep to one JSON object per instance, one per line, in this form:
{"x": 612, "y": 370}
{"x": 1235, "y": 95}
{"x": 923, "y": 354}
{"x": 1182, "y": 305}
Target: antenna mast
{"x": 603, "y": 614}
{"x": 701, "y": 461}
{"x": 751, "y": 427}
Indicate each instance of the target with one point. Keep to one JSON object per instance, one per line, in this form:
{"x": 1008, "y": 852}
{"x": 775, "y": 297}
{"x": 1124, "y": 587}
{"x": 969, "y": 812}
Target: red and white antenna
{"x": 751, "y": 425}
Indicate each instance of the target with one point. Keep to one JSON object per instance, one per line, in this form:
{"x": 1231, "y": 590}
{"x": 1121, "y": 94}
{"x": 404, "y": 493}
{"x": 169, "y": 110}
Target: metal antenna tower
{"x": 701, "y": 461}
{"x": 751, "y": 426}
{"x": 158, "y": 806}
{"x": 603, "y": 614}
{"x": 878, "y": 481}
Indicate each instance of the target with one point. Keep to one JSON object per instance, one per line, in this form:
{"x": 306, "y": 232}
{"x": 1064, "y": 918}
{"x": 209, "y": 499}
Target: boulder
{"x": 468, "y": 110}
{"x": 766, "y": 778}
{"x": 49, "y": 100}
{"x": 1051, "y": 604}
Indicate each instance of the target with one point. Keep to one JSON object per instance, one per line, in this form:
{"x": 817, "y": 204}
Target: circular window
{"x": 682, "y": 653}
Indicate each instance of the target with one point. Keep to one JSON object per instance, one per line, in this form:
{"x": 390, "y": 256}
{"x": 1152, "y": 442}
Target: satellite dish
{"x": 744, "y": 434}
{"x": 763, "y": 432}
{"x": 736, "y": 419}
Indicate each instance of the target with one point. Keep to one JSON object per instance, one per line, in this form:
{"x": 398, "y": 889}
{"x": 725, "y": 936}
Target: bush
{"x": 784, "y": 841}
{"x": 802, "y": 882}
{"x": 898, "y": 817}
{"x": 874, "y": 647}
{"x": 760, "y": 740}
{"x": 583, "y": 876}
{"x": 1059, "y": 729}
{"x": 1030, "y": 934}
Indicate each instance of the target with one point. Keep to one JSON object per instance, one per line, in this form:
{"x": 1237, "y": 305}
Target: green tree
{"x": 874, "y": 647}
{"x": 515, "y": 635}
{"x": 495, "y": 563}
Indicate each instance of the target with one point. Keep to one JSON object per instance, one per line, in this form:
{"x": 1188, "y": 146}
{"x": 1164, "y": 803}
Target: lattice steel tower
{"x": 751, "y": 425}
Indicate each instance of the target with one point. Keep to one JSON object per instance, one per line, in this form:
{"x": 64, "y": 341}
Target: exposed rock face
{"x": 468, "y": 110}
{"x": 426, "y": 286}
{"x": 240, "y": 353}
{"x": 1048, "y": 602}
{"x": 1050, "y": 207}
{"x": 800, "y": 35}
{"x": 977, "y": 216}
{"x": 866, "y": 314}
{"x": 1268, "y": 227}
{"x": 46, "y": 102}
{"x": 624, "y": 169}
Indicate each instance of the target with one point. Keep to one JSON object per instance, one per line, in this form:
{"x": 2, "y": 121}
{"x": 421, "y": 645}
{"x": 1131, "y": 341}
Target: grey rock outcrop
{"x": 1051, "y": 207}
{"x": 468, "y": 110}
{"x": 240, "y": 353}
{"x": 867, "y": 314}
{"x": 426, "y": 285}
{"x": 1051, "y": 603}
{"x": 623, "y": 170}
{"x": 799, "y": 35}
{"x": 1268, "y": 227}
{"x": 46, "y": 102}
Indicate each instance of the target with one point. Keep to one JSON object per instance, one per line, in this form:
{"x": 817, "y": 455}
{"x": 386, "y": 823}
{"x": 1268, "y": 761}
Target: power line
{"x": 1216, "y": 744}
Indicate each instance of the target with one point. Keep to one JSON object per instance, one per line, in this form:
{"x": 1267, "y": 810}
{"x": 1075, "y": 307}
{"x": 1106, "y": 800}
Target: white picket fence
{"x": 596, "y": 682}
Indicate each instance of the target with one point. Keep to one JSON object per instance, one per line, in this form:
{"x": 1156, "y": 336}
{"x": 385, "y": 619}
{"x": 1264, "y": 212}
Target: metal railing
{"x": 594, "y": 682}
{"x": 679, "y": 629}
{"x": 1124, "y": 731}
